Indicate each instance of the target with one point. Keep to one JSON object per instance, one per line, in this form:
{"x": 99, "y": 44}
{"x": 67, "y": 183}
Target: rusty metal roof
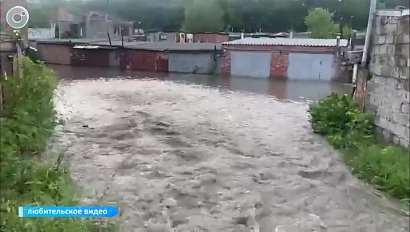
{"x": 166, "y": 46}
{"x": 288, "y": 42}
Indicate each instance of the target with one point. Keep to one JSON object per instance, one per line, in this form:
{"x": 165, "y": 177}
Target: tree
{"x": 320, "y": 23}
{"x": 204, "y": 16}
{"x": 347, "y": 32}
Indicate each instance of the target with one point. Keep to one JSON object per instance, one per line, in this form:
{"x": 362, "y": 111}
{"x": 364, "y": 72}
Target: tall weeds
{"x": 27, "y": 120}
{"x": 351, "y": 131}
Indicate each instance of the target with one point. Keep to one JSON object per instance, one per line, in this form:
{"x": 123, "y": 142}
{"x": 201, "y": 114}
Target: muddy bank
{"x": 189, "y": 157}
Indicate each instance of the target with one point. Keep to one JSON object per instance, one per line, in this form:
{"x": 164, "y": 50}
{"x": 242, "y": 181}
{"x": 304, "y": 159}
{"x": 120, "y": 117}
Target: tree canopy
{"x": 250, "y": 15}
{"x": 320, "y": 23}
{"x": 204, "y": 16}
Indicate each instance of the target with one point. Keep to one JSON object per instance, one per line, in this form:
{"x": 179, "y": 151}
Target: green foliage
{"x": 351, "y": 131}
{"x": 204, "y": 16}
{"x": 320, "y": 23}
{"x": 168, "y": 15}
{"x": 386, "y": 167}
{"x": 339, "y": 118}
{"x": 27, "y": 121}
{"x": 347, "y": 32}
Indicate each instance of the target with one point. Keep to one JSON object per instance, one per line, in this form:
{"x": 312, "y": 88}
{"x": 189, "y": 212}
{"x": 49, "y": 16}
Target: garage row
{"x": 293, "y": 59}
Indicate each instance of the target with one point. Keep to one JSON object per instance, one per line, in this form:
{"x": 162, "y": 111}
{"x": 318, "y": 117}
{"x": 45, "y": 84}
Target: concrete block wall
{"x": 388, "y": 96}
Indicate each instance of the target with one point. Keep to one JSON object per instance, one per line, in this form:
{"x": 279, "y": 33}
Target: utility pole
{"x": 106, "y": 19}
{"x": 372, "y": 12}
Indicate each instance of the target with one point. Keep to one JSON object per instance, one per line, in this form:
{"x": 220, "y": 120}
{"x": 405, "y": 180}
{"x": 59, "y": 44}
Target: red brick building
{"x": 298, "y": 59}
{"x": 215, "y": 37}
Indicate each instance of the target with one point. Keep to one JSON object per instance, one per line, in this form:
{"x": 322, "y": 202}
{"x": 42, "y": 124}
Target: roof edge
{"x": 393, "y": 13}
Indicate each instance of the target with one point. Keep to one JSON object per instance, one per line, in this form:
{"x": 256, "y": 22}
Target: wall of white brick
{"x": 388, "y": 96}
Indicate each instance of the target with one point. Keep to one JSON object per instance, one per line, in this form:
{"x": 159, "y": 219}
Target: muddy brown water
{"x": 196, "y": 158}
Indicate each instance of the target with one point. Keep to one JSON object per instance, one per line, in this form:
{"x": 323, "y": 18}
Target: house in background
{"x": 93, "y": 25}
{"x": 69, "y": 25}
{"x": 98, "y": 25}
{"x": 42, "y": 33}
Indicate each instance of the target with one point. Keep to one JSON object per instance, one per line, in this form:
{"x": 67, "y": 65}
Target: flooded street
{"x": 296, "y": 90}
{"x": 198, "y": 158}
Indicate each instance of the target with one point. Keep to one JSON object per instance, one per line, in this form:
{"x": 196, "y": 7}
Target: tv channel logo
{"x": 17, "y": 17}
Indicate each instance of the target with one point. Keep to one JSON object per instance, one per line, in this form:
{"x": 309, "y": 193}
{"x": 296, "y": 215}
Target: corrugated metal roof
{"x": 392, "y": 13}
{"x": 288, "y": 42}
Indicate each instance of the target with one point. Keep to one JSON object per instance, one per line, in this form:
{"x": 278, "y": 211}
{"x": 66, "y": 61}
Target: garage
{"x": 305, "y": 66}
{"x": 283, "y": 58}
{"x": 252, "y": 64}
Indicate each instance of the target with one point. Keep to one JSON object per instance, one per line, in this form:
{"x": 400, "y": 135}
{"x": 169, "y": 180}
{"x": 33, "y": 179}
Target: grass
{"x": 384, "y": 166}
{"x": 27, "y": 121}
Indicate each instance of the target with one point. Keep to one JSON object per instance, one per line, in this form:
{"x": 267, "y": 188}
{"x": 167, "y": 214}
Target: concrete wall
{"x": 41, "y": 33}
{"x": 184, "y": 62}
{"x": 388, "y": 96}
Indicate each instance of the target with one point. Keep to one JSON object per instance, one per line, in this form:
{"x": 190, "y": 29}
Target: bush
{"x": 348, "y": 129}
{"x": 340, "y": 120}
{"x": 27, "y": 120}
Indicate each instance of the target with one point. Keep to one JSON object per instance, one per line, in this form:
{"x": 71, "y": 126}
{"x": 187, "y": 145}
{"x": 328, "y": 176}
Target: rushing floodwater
{"x": 293, "y": 90}
{"x": 174, "y": 155}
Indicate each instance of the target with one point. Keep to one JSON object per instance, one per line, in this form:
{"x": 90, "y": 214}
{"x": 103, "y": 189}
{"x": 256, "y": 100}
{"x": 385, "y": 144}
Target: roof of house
{"x": 288, "y": 42}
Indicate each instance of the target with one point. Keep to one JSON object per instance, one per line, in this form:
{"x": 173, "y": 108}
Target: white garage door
{"x": 252, "y": 64}
{"x": 304, "y": 66}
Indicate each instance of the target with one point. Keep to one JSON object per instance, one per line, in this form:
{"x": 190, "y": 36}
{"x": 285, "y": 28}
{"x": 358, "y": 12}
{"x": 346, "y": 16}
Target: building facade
{"x": 294, "y": 59}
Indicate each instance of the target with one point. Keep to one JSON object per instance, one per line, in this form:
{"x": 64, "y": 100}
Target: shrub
{"x": 27, "y": 120}
{"x": 346, "y": 128}
{"x": 339, "y": 119}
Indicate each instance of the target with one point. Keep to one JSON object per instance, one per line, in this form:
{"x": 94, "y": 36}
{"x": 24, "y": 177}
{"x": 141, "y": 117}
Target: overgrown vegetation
{"x": 351, "y": 131}
{"x": 27, "y": 121}
{"x": 319, "y": 22}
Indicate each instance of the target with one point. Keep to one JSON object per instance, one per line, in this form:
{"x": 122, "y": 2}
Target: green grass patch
{"x": 27, "y": 120}
{"x": 352, "y": 132}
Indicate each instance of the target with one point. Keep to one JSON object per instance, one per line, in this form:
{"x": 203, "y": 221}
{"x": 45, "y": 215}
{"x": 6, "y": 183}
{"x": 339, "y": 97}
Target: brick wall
{"x": 388, "y": 95}
{"x": 279, "y": 66}
{"x": 210, "y": 38}
{"x": 151, "y": 61}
